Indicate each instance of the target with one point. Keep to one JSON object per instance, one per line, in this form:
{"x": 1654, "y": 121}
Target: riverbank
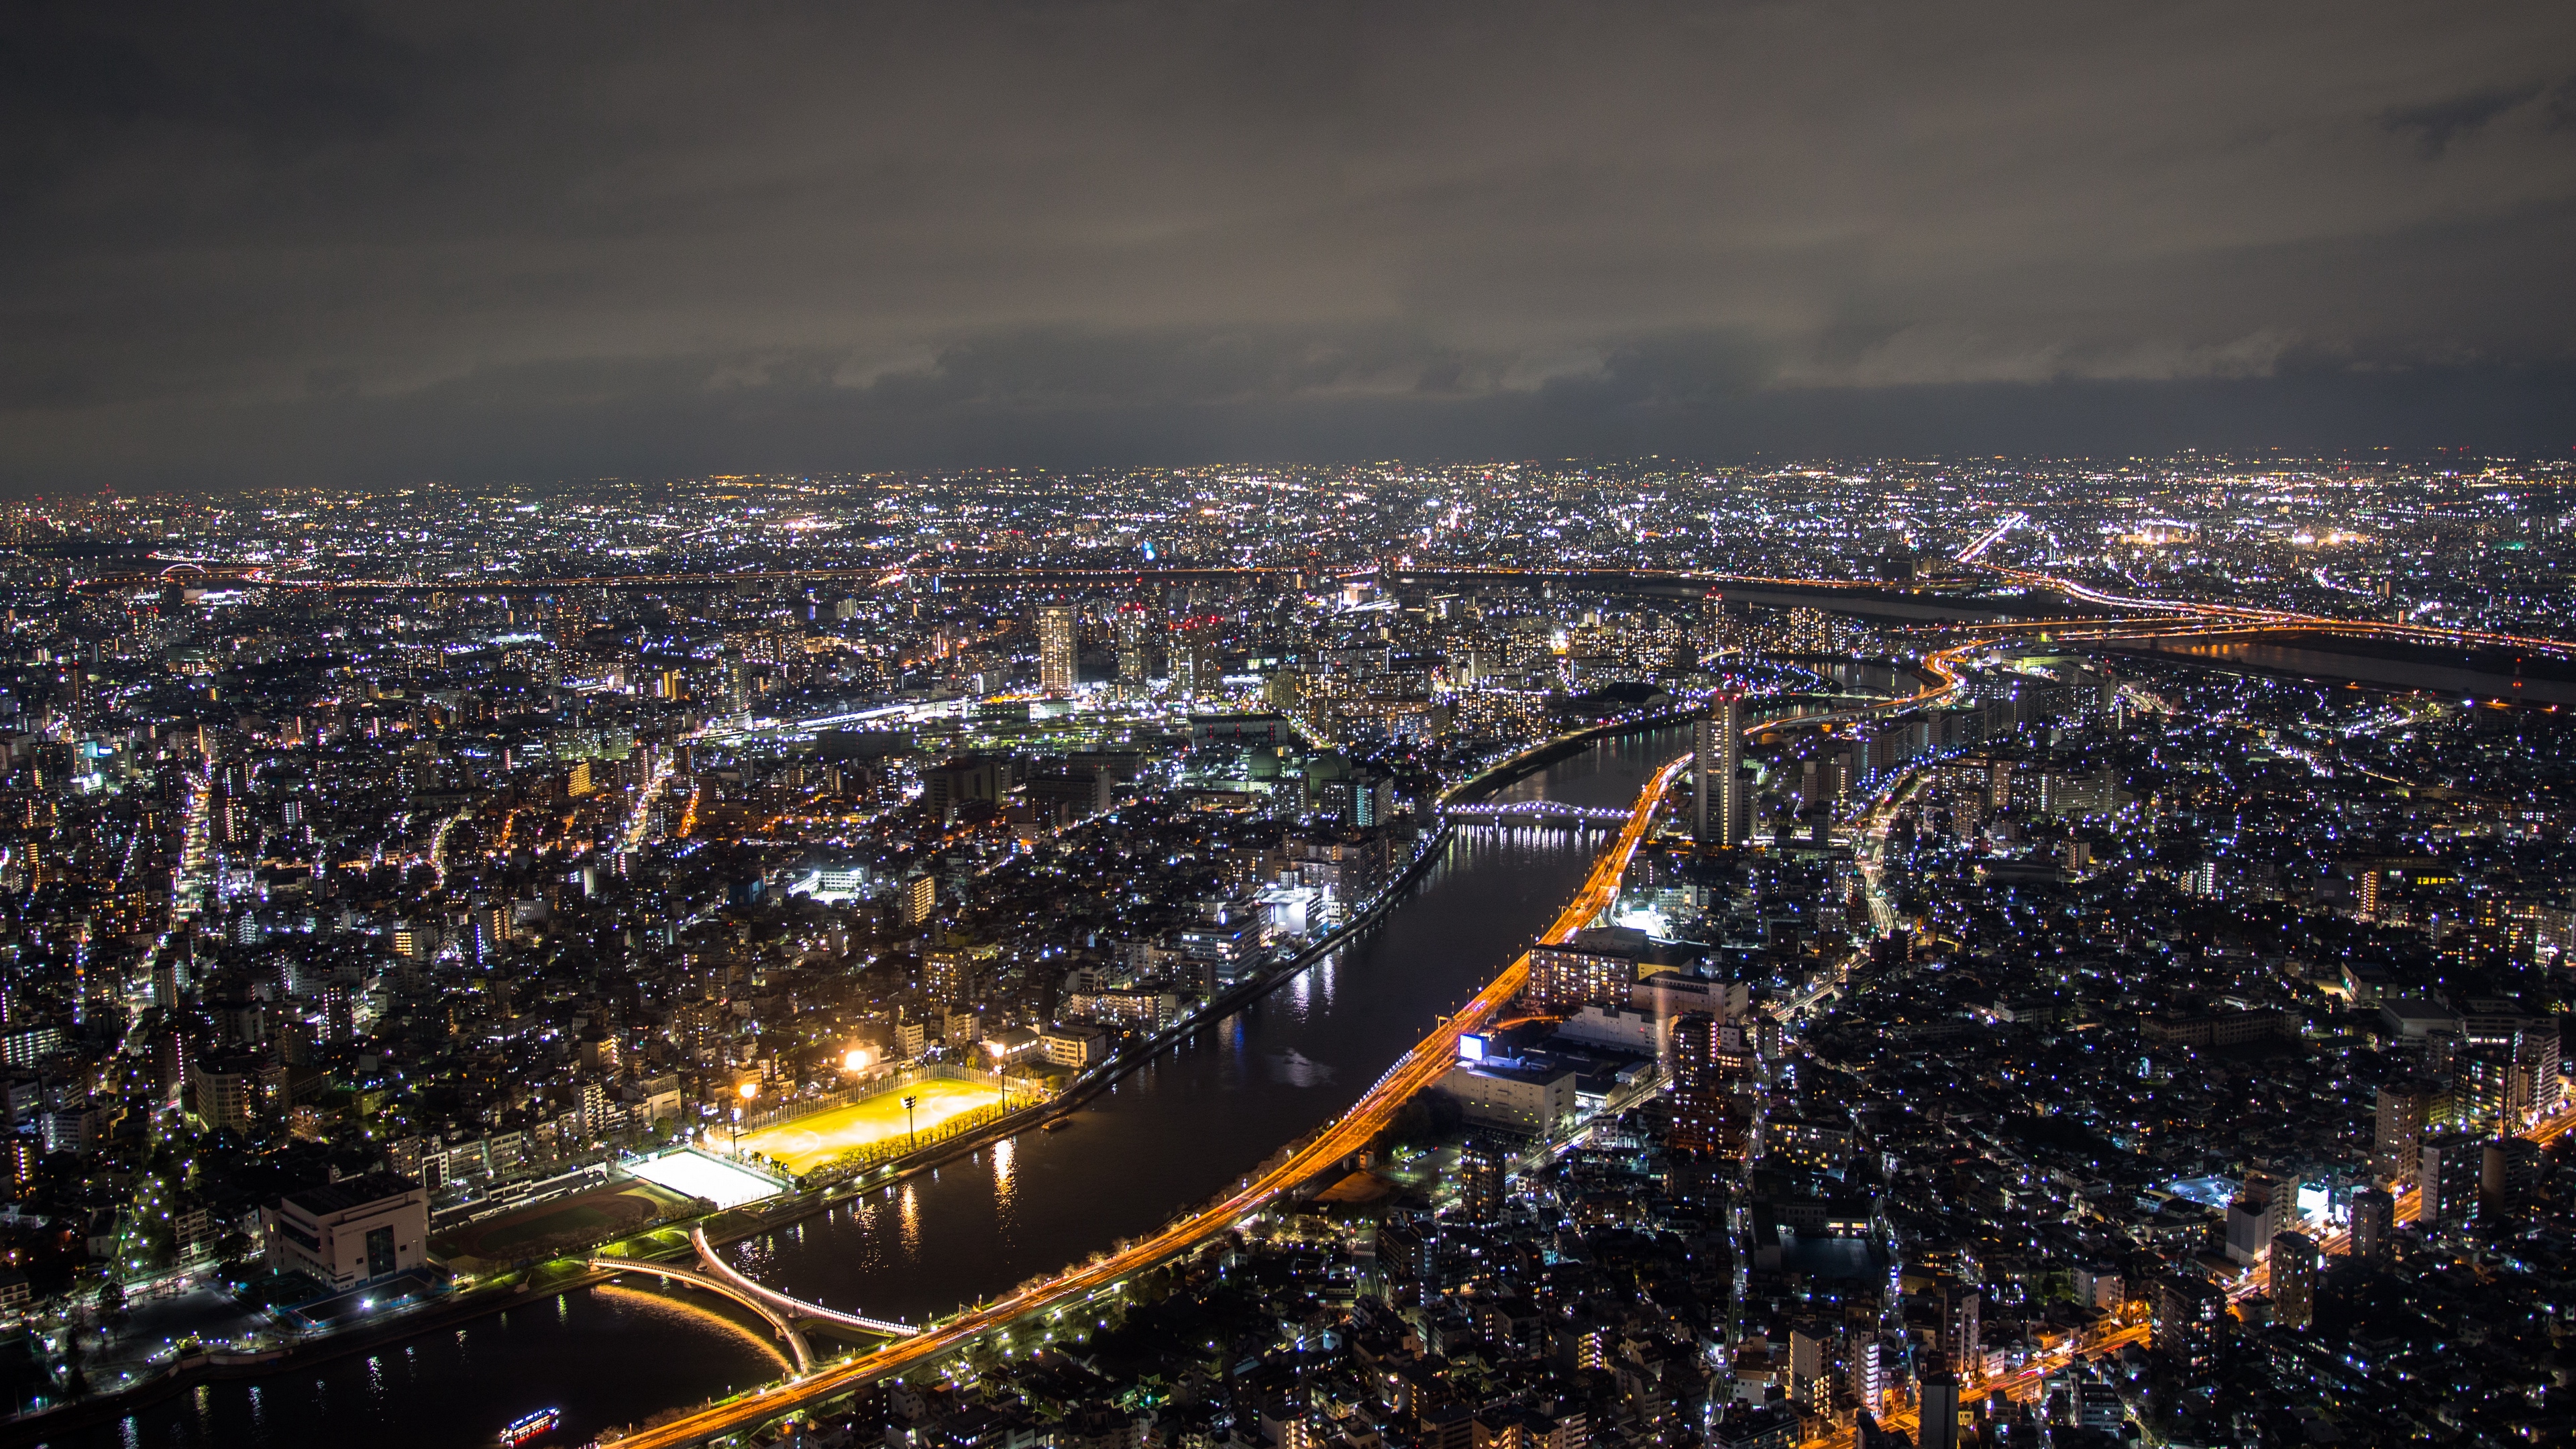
{"x": 1423, "y": 1065}
{"x": 874, "y": 1248}
{"x": 1515, "y": 767}
{"x": 1534, "y": 758}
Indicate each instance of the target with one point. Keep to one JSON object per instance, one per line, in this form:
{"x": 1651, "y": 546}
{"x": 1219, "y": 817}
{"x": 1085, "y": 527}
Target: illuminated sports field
{"x": 805, "y": 1143}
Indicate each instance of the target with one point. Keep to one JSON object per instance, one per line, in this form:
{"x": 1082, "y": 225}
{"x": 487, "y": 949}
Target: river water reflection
{"x": 1168, "y": 1136}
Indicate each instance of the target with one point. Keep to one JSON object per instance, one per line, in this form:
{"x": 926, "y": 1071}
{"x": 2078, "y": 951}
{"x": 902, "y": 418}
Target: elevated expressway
{"x": 1419, "y": 1069}
{"x": 1415, "y": 1072}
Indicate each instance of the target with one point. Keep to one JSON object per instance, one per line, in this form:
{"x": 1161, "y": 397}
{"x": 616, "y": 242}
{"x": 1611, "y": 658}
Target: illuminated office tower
{"x": 1055, "y": 648}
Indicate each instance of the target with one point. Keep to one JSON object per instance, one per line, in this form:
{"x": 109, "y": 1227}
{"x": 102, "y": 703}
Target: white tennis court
{"x": 695, "y": 1173}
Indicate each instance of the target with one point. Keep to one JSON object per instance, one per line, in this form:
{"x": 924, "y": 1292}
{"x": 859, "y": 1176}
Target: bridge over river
{"x": 1179, "y": 1132}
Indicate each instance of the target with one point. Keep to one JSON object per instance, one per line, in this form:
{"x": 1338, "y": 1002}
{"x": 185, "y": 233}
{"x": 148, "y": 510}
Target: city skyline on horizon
{"x": 375, "y": 245}
{"x": 1288, "y": 724}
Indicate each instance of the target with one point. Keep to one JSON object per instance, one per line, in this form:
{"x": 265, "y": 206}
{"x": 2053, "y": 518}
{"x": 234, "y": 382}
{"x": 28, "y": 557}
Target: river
{"x": 1169, "y": 1135}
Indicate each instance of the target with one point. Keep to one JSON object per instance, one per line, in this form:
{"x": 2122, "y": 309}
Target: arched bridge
{"x": 776, "y": 1302}
{"x": 669, "y": 1273}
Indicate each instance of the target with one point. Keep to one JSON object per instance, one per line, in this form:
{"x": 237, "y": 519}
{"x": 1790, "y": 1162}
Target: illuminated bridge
{"x": 671, "y": 1274}
{"x": 777, "y": 1309}
{"x": 1496, "y": 812}
{"x": 774, "y": 1302}
{"x": 1417, "y": 1071}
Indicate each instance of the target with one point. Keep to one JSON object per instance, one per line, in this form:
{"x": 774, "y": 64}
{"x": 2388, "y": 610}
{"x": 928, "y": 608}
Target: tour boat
{"x": 520, "y": 1431}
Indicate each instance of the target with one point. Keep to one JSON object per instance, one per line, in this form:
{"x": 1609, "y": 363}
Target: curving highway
{"x": 1417, "y": 1071}
{"x": 1420, "y": 1068}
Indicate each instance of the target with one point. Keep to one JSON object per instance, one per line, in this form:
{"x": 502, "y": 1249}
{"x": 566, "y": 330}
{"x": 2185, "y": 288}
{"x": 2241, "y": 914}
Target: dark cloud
{"x": 370, "y": 243}
{"x": 2436, "y": 124}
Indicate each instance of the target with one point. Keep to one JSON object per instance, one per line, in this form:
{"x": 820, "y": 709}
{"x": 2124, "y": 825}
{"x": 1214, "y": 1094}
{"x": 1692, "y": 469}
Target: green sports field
{"x": 580, "y": 1219}
{"x": 805, "y": 1143}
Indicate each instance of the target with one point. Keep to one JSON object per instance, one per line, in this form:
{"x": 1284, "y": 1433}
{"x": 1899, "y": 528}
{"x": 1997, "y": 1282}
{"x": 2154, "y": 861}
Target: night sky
{"x": 249, "y": 243}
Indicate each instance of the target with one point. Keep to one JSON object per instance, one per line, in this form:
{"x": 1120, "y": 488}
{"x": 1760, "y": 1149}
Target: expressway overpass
{"x": 1419, "y": 1069}
{"x": 2282, "y": 649}
{"x": 2236, "y": 618}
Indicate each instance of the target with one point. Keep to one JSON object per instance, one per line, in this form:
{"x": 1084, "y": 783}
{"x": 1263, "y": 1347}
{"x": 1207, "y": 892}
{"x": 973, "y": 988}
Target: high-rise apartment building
{"x": 2398, "y": 1133}
{"x": 1717, "y": 792}
{"x": 2448, "y": 1168}
{"x": 1056, "y": 653}
{"x": 1598, "y": 964}
{"x": 1480, "y": 1181}
{"x": 917, "y": 899}
{"x": 2294, "y": 1280}
{"x": 1963, "y": 1335}
{"x": 2509, "y": 1171}
{"x": 2374, "y": 1223}
{"x": 1135, "y": 649}
{"x": 1194, "y": 655}
{"x": 2189, "y": 1312}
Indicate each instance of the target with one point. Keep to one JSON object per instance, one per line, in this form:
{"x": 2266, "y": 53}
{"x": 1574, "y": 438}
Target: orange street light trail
{"x": 1419, "y": 1069}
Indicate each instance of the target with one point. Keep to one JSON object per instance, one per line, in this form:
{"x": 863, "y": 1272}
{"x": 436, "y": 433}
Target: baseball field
{"x": 804, "y": 1143}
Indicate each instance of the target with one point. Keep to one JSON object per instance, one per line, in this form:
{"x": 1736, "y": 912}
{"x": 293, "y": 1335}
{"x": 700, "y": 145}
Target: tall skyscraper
{"x": 1717, "y": 794}
{"x": 1056, "y": 648}
{"x": 1703, "y": 745}
{"x": 1135, "y": 649}
{"x": 1717, "y": 631}
{"x": 1194, "y": 656}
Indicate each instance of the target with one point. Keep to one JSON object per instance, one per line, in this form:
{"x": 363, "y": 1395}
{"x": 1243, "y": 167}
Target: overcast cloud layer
{"x": 306, "y": 242}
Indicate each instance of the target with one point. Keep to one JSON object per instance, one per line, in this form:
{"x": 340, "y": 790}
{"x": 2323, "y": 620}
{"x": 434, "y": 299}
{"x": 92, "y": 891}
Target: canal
{"x": 1167, "y": 1136}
